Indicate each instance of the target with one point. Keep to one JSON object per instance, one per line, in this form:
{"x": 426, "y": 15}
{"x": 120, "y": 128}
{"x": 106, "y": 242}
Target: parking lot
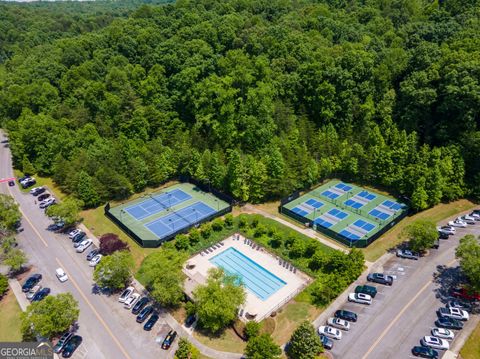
{"x": 402, "y": 314}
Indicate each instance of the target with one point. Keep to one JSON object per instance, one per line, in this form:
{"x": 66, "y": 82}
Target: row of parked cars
{"x": 44, "y": 198}
{"x": 342, "y": 319}
{"x": 144, "y": 309}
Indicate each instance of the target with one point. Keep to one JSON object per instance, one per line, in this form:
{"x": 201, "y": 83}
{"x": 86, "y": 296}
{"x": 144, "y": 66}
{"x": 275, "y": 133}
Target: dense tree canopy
{"x": 468, "y": 252}
{"x": 254, "y": 97}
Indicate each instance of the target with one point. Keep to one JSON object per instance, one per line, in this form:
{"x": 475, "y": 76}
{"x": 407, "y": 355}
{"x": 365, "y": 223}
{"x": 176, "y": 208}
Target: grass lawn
{"x": 392, "y": 237}
{"x": 10, "y": 319}
{"x": 228, "y": 341}
{"x": 42, "y": 181}
{"x": 471, "y": 348}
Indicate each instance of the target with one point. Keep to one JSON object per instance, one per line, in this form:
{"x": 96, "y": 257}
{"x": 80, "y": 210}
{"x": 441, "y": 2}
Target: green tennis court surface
{"x": 158, "y": 216}
{"x": 346, "y": 212}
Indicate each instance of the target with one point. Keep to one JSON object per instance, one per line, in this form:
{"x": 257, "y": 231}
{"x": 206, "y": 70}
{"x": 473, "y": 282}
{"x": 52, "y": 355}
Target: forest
{"x": 257, "y": 98}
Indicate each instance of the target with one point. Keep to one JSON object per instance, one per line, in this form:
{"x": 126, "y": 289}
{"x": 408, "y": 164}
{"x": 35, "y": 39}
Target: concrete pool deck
{"x": 196, "y": 269}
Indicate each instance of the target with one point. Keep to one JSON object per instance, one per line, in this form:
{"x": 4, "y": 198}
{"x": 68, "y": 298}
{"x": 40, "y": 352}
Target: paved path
{"x": 17, "y": 290}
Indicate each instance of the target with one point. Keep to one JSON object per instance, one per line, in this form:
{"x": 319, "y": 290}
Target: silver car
{"x": 33, "y": 291}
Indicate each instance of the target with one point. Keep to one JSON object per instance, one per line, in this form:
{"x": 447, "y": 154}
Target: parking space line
{"x": 122, "y": 349}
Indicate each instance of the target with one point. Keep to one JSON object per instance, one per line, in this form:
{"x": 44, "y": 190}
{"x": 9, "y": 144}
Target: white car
{"x": 84, "y": 245}
{"x": 454, "y": 313}
{"x": 32, "y": 292}
{"x": 447, "y": 229}
{"x": 95, "y": 260}
{"x": 467, "y": 219}
{"x": 131, "y": 300}
{"x": 48, "y": 202}
{"x": 443, "y": 333}
{"x": 435, "y": 343}
{"x": 457, "y": 223}
{"x": 125, "y": 294}
{"x": 73, "y": 233}
{"x": 338, "y": 323}
{"x": 475, "y": 216}
{"x": 360, "y": 298}
{"x": 61, "y": 275}
{"x": 330, "y": 332}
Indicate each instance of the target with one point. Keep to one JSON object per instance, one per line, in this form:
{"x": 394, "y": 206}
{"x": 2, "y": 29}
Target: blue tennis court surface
{"x": 364, "y": 225}
{"x": 354, "y": 204}
{"x": 299, "y": 211}
{"x": 314, "y": 203}
{"x": 344, "y": 187}
{"x": 330, "y": 194}
{"x": 392, "y": 205}
{"x": 337, "y": 213}
{"x": 349, "y": 235}
{"x": 256, "y": 279}
{"x": 182, "y": 218}
{"x": 367, "y": 195}
{"x": 322, "y": 222}
{"x": 157, "y": 204}
{"x": 379, "y": 214}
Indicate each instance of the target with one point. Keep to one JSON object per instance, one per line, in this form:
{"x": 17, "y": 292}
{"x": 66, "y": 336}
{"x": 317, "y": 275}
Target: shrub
{"x": 3, "y": 285}
{"x": 206, "y": 230}
{"x": 255, "y": 222}
{"x": 110, "y": 243}
{"x": 229, "y": 220}
{"x": 182, "y": 242}
{"x": 260, "y": 230}
{"x": 243, "y": 222}
{"x": 217, "y": 225}
{"x": 276, "y": 240}
{"x": 252, "y": 329}
{"x": 194, "y": 236}
{"x": 304, "y": 343}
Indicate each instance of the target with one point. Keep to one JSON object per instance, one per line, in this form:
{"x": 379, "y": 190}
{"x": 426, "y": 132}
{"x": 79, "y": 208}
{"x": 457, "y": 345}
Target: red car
{"x": 466, "y": 294}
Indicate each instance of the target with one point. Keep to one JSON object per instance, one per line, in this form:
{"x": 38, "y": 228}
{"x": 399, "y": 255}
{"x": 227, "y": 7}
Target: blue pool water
{"x": 256, "y": 279}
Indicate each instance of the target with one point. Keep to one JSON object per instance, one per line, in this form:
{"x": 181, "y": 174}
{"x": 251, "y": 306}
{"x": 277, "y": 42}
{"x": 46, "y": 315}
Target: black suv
{"x": 31, "y": 282}
{"x": 346, "y": 315}
{"x": 366, "y": 289}
{"x": 151, "y": 321}
{"x": 144, "y": 314}
{"x": 169, "y": 339}
{"x": 448, "y": 323}
{"x": 71, "y": 346}
{"x": 443, "y": 235}
{"x": 424, "y": 352}
{"x": 43, "y": 197}
{"x": 380, "y": 278}
{"x": 79, "y": 237}
{"x": 140, "y": 305}
{"x": 61, "y": 342}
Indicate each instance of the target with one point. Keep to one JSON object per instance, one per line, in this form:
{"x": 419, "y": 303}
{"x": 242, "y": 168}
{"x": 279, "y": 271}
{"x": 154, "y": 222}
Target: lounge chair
{"x": 294, "y": 270}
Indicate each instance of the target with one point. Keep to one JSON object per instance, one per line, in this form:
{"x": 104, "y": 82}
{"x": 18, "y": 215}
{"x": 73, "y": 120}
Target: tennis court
{"x": 345, "y": 212}
{"x": 158, "y": 216}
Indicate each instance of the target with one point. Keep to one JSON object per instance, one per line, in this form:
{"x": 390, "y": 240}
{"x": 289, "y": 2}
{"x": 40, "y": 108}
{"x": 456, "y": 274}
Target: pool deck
{"x": 197, "y": 268}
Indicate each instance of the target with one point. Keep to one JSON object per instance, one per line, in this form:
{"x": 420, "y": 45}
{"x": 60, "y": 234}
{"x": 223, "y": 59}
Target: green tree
{"x": 252, "y": 329}
{"x": 15, "y": 259}
{"x": 262, "y": 347}
{"x": 304, "y": 343}
{"x": 229, "y": 220}
{"x": 421, "y": 234}
{"x": 182, "y": 242}
{"x": 186, "y": 350}
{"x": 27, "y": 166}
{"x": 86, "y": 190}
{"x": 68, "y": 210}
{"x": 3, "y": 285}
{"x": 114, "y": 271}
{"x": 218, "y": 300}
{"x": 51, "y": 316}
{"x": 9, "y": 214}
{"x": 468, "y": 251}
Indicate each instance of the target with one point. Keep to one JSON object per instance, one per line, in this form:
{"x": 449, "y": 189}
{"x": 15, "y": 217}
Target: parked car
{"x": 84, "y": 244}
{"x": 457, "y": 223}
{"x": 47, "y": 203}
{"x": 190, "y": 320}
{"x": 360, "y": 298}
{"x": 29, "y": 182}
{"x": 11, "y": 183}
{"x": 125, "y": 294}
{"x": 338, "y": 323}
{"x": 92, "y": 254}
{"x": 346, "y": 314}
{"x": 144, "y": 313}
{"x": 61, "y": 275}
{"x": 454, "y": 313}
{"x": 434, "y": 342}
{"x": 406, "y": 253}
{"x": 466, "y": 294}
{"x": 457, "y": 304}
{"x": 37, "y": 191}
{"x": 366, "y": 289}
{"x": 443, "y": 333}
{"x": 140, "y": 305}
{"x": 31, "y": 282}
{"x": 79, "y": 237}
{"x": 95, "y": 260}
{"x": 41, "y": 294}
{"x": 475, "y": 216}
{"x": 326, "y": 342}
{"x": 44, "y": 196}
{"x": 380, "y": 278}
{"x": 151, "y": 321}
{"x": 62, "y": 342}
{"x": 449, "y": 323}
{"x": 330, "y": 332}
{"x": 467, "y": 219}
{"x": 436, "y": 244}
{"x": 21, "y": 179}
{"x": 73, "y": 233}
{"x": 56, "y": 226}
{"x": 169, "y": 339}
{"x": 33, "y": 291}
{"x": 424, "y": 352}
{"x": 443, "y": 235}
{"x": 71, "y": 346}
{"x": 450, "y": 230}
{"x": 131, "y": 300}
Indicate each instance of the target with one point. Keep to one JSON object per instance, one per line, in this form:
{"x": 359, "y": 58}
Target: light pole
{"x": 172, "y": 225}
{"x": 196, "y": 214}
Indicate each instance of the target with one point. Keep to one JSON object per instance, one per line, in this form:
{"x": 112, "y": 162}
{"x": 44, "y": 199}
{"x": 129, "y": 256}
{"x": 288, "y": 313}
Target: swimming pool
{"x": 256, "y": 279}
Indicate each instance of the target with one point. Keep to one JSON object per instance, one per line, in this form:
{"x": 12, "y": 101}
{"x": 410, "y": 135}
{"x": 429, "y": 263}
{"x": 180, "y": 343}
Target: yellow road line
{"x": 122, "y": 349}
{"x": 392, "y": 323}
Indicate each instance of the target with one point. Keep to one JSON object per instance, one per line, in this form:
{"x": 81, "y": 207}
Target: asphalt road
{"x": 402, "y": 314}
{"x": 108, "y": 330}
